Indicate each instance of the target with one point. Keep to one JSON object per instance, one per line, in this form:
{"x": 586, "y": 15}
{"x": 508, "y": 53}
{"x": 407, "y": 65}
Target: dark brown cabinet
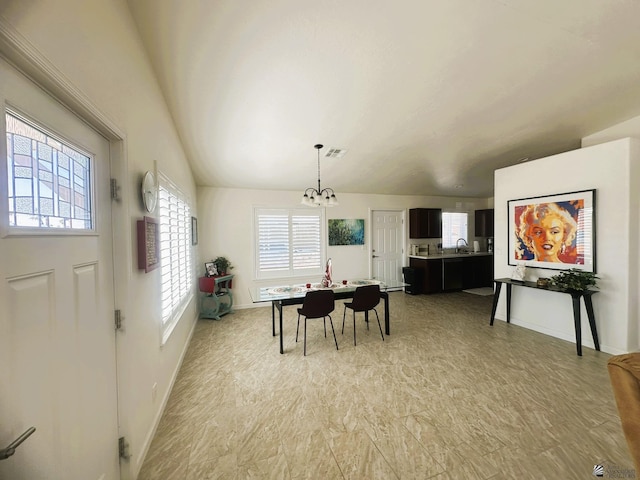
{"x": 430, "y": 273}
{"x": 484, "y": 223}
{"x": 425, "y": 223}
{"x": 477, "y": 272}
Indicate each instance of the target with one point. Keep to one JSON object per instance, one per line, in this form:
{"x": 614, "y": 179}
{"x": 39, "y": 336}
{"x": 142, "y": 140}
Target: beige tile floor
{"x": 446, "y": 397}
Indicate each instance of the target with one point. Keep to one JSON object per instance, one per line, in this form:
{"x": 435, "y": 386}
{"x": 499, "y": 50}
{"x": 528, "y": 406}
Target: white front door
{"x": 57, "y": 336}
{"x": 387, "y": 242}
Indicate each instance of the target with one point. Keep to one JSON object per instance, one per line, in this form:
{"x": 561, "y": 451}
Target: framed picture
{"x": 210, "y": 269}
{"x": 148, "y": 244}
{"x": 554, "y": 231}
{"x": 346, "y": 232}
{"x": 194, "y": 231}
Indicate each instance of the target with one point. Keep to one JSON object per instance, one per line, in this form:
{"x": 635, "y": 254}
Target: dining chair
{"x": 365, "y": 298}
{"x": 317, "y": 304}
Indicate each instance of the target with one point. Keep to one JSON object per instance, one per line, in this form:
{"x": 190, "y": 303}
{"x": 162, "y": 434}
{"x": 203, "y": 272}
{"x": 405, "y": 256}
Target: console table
{"x": 575, "y": 298}
{"x": 216, "y": 297}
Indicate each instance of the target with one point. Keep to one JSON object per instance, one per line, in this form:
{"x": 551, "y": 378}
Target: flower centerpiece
{"x": 574, "y": 279}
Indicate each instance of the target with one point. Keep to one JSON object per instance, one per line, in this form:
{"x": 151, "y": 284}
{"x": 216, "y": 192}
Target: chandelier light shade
{"x": 320, "y": 197}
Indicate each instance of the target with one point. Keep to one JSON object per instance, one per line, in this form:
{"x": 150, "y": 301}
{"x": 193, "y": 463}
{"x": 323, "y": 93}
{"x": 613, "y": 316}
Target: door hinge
{"x": 115, "y": 190}
{"x": 118, "y": 319}
{"x": 123, "y": 448}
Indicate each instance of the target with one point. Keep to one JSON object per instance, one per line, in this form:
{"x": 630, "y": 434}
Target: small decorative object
{"x": 326, "y": 280}
{"x": 149, "y": 191}
{"x": 210, "y": 269}
{"x": 148, "y": 244}
{"x": 519, "y": 273}
{"x": 574, "y": 280}
{"x": 223, "y": 265}
{"x": 542, "y": 282}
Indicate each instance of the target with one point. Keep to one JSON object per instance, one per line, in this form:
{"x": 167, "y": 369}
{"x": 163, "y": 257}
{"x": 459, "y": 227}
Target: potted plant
{"x": 574, "y": 280}
{"x": 223, "y": 265}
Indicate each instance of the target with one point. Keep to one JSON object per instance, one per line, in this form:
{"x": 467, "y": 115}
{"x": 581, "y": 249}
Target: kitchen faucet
{"x": 458, "y": 243}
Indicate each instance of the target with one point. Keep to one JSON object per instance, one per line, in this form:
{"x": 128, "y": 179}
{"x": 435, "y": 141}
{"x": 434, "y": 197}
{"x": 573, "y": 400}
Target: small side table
{"x": 216, "y": 296}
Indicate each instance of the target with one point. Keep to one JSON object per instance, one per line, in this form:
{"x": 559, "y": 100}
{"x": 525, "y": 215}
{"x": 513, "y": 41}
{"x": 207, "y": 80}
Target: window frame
{"x": 466, "y": 236}
{"x": 169, "y": 322}
{"x": 7, "y": 230}
{"x": 291, "y": 272}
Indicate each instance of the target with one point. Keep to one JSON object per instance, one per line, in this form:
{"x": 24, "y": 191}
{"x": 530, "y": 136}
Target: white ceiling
{"x": 426, "y": 95}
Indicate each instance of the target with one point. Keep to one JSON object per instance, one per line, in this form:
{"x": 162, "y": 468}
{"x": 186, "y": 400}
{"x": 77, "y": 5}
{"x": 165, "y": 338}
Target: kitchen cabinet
{"x": 484, "y": 222}
{"x": 477, "y": 271}
{"x": 430, "y": 273}
{"x": 425, "y": 223}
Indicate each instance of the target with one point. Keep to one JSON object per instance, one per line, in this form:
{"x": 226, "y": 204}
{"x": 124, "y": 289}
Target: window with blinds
{"x": 175, "y": 254}
{"x": 454, "y": 227}
{"x": 288, "y": 242}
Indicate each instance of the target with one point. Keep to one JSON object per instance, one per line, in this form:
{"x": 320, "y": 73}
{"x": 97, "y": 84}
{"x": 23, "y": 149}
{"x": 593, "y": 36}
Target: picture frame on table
{"x": 555, "y": 232}
{"x": 210, "y": 269}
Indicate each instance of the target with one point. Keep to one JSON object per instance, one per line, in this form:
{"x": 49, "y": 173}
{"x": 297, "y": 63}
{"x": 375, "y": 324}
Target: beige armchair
{"x": 624, "y": 372}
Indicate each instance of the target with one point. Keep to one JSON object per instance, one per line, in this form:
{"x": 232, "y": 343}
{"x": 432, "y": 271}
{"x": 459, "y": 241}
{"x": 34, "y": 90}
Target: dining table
{"x": 284, "y": 295}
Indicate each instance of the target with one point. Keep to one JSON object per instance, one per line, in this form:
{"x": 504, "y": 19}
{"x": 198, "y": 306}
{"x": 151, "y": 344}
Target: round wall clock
{"x": 149, "y": 191}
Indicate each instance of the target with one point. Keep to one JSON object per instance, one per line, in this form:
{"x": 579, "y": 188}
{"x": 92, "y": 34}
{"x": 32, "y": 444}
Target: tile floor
{"x": 444, "y": 397}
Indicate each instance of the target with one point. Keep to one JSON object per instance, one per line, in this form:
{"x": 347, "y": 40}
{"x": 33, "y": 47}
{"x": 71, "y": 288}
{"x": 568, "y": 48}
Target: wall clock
{"x": 149, "y": 191}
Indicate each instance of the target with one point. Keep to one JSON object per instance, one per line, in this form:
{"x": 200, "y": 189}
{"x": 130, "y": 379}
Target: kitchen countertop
{"x": 438, "y": 256}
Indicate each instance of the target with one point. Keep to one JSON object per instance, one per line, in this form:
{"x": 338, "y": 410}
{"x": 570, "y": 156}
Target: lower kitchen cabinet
{"x": 451, "y": 274}
{"x": 430, "y": 272}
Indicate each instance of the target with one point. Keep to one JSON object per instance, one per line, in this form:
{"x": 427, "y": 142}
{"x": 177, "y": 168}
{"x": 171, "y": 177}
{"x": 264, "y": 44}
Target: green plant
{"x": 574, "y": 279}
{"x": 223, "y": 265}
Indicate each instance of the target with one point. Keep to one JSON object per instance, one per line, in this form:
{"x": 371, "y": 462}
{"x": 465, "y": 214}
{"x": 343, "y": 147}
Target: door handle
{"x": 375, "y": 256}
{"x": 11, "y": 449}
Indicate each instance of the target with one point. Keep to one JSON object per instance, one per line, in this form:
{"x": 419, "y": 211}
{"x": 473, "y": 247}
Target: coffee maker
{"x": 490, "y": 245}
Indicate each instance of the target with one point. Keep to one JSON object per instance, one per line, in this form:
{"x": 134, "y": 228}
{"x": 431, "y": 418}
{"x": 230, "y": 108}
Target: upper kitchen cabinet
{"x": 484, "y": 223}
{"x": 425, "y": 223}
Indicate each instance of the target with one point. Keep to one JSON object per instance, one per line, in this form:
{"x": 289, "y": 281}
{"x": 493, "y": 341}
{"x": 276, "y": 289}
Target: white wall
{"x": 610, "y": 169}
{"x": 95, "y": 49}
{"x": 225, "y": 224}
{"x": 628, "y": 128}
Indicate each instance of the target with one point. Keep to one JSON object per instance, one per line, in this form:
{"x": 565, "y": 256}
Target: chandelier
{"x": 320, "y": 197}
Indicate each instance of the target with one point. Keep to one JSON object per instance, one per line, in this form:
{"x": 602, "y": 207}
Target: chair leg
{"x": 366, "y": 318}
{"x": 324, "y": 320}
{"x": 297, "y": 328}
{"x": 334, "y": 332}
{"x": 379, "y": 326}
{"x": 343, "y": 315}
{"x": 305, "y": 336}
{"x": 354, "y": 327}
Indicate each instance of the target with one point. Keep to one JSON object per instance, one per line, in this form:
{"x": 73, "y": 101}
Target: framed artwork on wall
{"x": 553, "y": 231}
{"x": 346, "y": 232}
{"x": 148, "y": 244}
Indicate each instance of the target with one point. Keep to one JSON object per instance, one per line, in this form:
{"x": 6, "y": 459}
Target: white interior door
{"x": 387, "y": 244}
{"x": 57, "y": 337}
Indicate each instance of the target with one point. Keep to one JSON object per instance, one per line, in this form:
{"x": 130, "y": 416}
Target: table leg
{"x": 273, "y": 318}
{"x": 576, "y": 318}
{"x": 496, "y": 296}
{"x": 281, "y": 335}
{"x": 385, "y": 297}
{"x": 592, "y": 321}
{"x": 509, "y": 302}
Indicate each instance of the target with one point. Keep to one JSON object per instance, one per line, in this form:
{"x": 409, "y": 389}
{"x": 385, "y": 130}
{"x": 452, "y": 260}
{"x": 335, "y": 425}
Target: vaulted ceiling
{"x": 428, "y": 97}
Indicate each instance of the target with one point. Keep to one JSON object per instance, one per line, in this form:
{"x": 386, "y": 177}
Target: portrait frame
{"x": 576, "y": 244}
{"x": 210, "y": 269}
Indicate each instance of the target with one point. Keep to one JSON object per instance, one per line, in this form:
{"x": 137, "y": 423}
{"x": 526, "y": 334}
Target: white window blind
{"x": 454, "y": 227}
{"x": 288, "y": 242}
{"x": 175, "y": 253}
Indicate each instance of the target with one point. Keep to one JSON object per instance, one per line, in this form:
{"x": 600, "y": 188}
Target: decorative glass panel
{"x": 39, "y": 173}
